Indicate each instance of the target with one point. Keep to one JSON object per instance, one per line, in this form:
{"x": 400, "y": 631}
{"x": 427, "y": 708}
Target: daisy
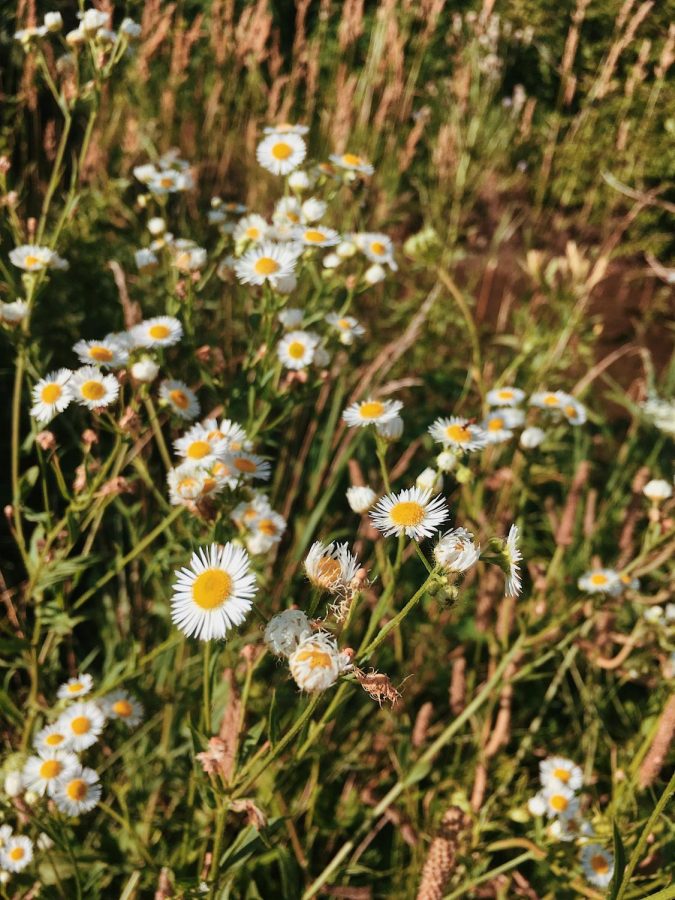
{"x": 83, "y": 723}
{"x": 170, "y": 181}
{"x": 287, "y": 211}
{"x": 266, "y": 262}
{"x": 371, "y": 412}
{"x": 657, "y": 489}
{"x": 411, "y": 512}
{"x": 598, "y": 865}
{"x": 498, "y": 425}
{"x": 532, "y": 437}
{"x": 75, "y": 687}
{"x": 505, "y": 396}
{"x": 456, "y": 551}
{"x": 548, "y": 399}
{"x": 347, "y": 327}
{"x": 285, "y": 631}
{"x": 390, "y": 430}
{"x": 291, "y": 317}
{"x": 561, "y": 801}
{"x": 250, "y": 228}
{"x": 189, "y": 259}
{"x": 16, "y": 853}
{"x": 32, "y": 258}
{"x": 186, "y": 483}
{"x": 317, "y": 237}
{"x": 458, "y": 433}
{"x": 361, "y": 499}
{"x": 513, "y": 557}
{"x": 316, "y": 663}
{"x": 41, "y": 773}
{"x": 51, "y": 395}
{"x": 331, "y": 567}
{"x": 214, "y": 594}
{"x": 600, "y": 581}
{"x": 574, "y": 412}
{"x": 161, "y": 331}
{"x": 285, "y": 128}
{"x": 101, "y": 353}
{"x": 555, "y": 771}
{"x": 229, "y": 431}
{"x": 281, "y": 153}
{"x": 296, "y": 349}
{"x": 53, "y": 737}
{"x": 249, "y": 465}
{"x": 377, "y": 247}
{"x": 352, "y": 163}
{"x": 78, "y": 792}
{"x": 266, "y": 531}
{"x": 180, "y": 398}
{"x": 121, "y": 705}
{"x": 245, "y": 514}
{"x": 196, "y": 445}
{"x": 92, "y": 389}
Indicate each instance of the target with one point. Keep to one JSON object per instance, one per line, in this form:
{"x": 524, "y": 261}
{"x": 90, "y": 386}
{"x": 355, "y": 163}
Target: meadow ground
{"x": 337, "y": 450}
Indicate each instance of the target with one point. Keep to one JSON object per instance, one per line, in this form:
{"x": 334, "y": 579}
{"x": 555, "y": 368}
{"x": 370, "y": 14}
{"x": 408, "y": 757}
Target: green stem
{"x": 398, "y": 618}
{"x": 207, "y": 688}
{"x": 157, "y": 431}
{"x": 217, "y": 843}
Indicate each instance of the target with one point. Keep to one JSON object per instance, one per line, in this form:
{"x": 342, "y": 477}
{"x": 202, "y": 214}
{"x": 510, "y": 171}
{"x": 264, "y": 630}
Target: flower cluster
{"x": 314, "y": 660}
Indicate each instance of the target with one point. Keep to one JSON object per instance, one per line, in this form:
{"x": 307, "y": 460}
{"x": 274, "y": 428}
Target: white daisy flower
{"x": 13, "y": 313}
{"x": 291, "y": 317}
{"x": 42, "y": 773}
{"x": 600, "y": 581}
{"x": 316, "y": 663}
{"x": 513, "y": 557}
{"x": 90, "y": 388}
{"x": 331, "y": 567}
{"x": 79, "y": 792}
{"x": 51, "y": 395}
{"x": 265, "y": 531}
{"x": 505, "y": 396}
{"x": 317, "y": 237}
{"x": 548, "y": 399}
{"x": 75, "y": 687}
{"x": 156, "y": 226}
{"x": 248, "y": 465}
{"x": 287, "y": 211}
{"x": 144, "y": 173}
{"x": 352, "y": 163}
{"x": 83, "y": 723}
{"x": 214, "y": 594}
{"x": 281, "y": 153}
{"x": 186, "y": 483}
{"x": 266, "y": 262}
{"x": 53, "y": 737}
{"x": 555, "y": 771}
{"x": 121, "y": 705}
{"x": 598, "y": 865}
{"x": 250, "y": 228}
{"x": 372, "y": 412}
{"x": 657, "y": 489}
{"x": 390, "y": 430}
{"x": 361, "y": 499}
{"x": 198, "y": 446}
{"x": 296, "y": 349}
{"x": 285, "y": 128}
{"x": 160, "y": 331}
{"x": 574, "y": 412}
{"x": 170, "y": 181}
{"x": 561, "y": 801}
{"x": 189, "y": 259}
{"x": 130, "y": 29}
{"x": 33, "y": 258}
{"x": 377, "y": 247}
{"x": 105, "y": 352}
{"x": 286, "y": 630}
{"x": 347, "y": 326}
{"x": 458, "y": 433}
{"x": 5, "y": 834}
{"x": 457, "y": 551}
{"x": 230, "y": 432}
{"x": 246, "y": 513}
{"x": 411, "y": 512}
{"x": 180, "y": 398}
{"x": 16, "y": 853}
{"x": 498, "y": 425}
{"x": 532, "y": 437}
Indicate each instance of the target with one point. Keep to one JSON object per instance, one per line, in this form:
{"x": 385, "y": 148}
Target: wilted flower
{"x": 286, "y": 630}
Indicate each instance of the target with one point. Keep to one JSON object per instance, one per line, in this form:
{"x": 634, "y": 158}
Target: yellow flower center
{"x": 101, "y": 354}
{"x": 292, "y": 217}
{"x": 559, "y": 803}
{"x": 267, "y": 527}
{"x": 252, "y": 233}
{"x": 570, "y": 411}
{"x": 16, "y": 853}
{"x": 92, "y": 390}
{"x": 81, "y": 724}
{"x": 31, "y": 261}
{"x": 505, "y": 395}
{"x": 75, "y": 687}
{"x": 282, "y": 150}
{"x": 53, "y": 740}
{"x": 211, "y": 589}
{"x": 209, "y": 485}
{"x": 562, "y": 775}
{"x": 495, "y": 424}
{"x": 159, "y": 332}
{"x": 378, "y": 248}
{"x": 122, "y": 708}
{"x": 179, "y": 399}
{"x": 551, "y": 400}
{"x": 599, "y": 864}
{"x": 50, "y": 393}
{"x": 317, "y": 659}
{"x": 266, "y": 266}
{"x": 315, "y": 237}
{"x": 219, "y": 468}
{"x": 351, "y": 159}
{"x": 327, "y": 572}
{"x": 296, "y": 350}
{"x": 244, "y": 465}
{"x": 50, "y": 768}
{"x": 371, "y": 409}
{"x": 215, "y": 435}
{"x": 166, "y": 182}
{"x": 407, "y": 513}
{"x": 198, "y": 449}
{"x": 77, "y": 789}
{"x": 187, "y": 484}
{"x": 343, "y": 323}
{"x": 458, "y": 433}
{"x": 598, "y": 578}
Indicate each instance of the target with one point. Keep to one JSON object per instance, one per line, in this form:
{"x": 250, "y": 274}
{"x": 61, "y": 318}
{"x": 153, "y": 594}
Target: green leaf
{"x": 619, "y": 864}
{"x": 273, "y": 720}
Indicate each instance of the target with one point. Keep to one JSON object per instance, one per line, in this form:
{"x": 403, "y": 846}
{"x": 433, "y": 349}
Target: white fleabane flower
{"x": 53, "y": 21}
{"x": 296, "y": 349}
{"x": 41, "y": 773}
{"x": 561, "y": 801}
{"x": 447, "y": 461}
{"x": 90, "y": 388}
{"x": 75, "y": 687}
{"x": 281, "y": 153}
{"x": 214, "y": 594}
{"x": 331, "y": 567}
{"x": 458, "y": 434}
{"x": 457, "y": 551}
{"x": 574, "y": 412}
{"x": 291, "y": 317}
{"x": 377, "y": 247}
{"x": 51, "y": 395}
{"x": 600, "y": 581}
{"x": 661, "y": 413}
{"x": 248, "y": 465}
{"x": 121, "y": 705}
{"x": 16, "y": 853}
{"x": 251, "y": 228}
{"x": 555, "y": 771}
{"x": 391, "y": 430}
{"x": 430, "y": 480}
{"x": 314, "y": 236}
{"x": 34, "y": 258}
{"x": 267, "y": 262}
{"x": 352, "y": 162}
{"x": 412, "y": 512}
{"x": 79, "y": 792}
{"x": 13, "y": 313}
{"x": 286, "y": 630}
{"x": 598, "y": 865}
{"x": 83, "y": 723}
{"x": 553, "y": 400}
{"x": 92, "y": 20}
{"x": 513, "y": 557}
{"x": 498, "y": 425}
{"x": 156, "y": 226}
{"x": 286, "y": 128}
{"x": 316, "y": 663}
{"x": 347, "y": 327}
{"x": 657, "y": 489}
{"x": 130, "y": 29}
{"x": 201, "y": 445}
{"x": 537, "y": 805}
{"x": 372, "y": 412}
{"x": 145, "y": 260}
{"x": 313, "y": 209}
{"x": 178, "y": 396}
{"x": 361, "y": 499}
{"x": 189, "y": 482}
{"x": 265, "y": 532}
{"x": 532, "y": 437}
{"x": 160, "y": 331}
{"x": 299, "y": 181}
{"x": 105, "y": 353}
{"x": 505, "y": 396}
{"x": 53, "y": 737}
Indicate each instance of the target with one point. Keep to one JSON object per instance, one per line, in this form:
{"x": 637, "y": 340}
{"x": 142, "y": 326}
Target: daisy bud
{"x": 346, "y": 249}
{"x": 464, "y": 475}
{"x": 89, "y": 438}
{"x": 45, "y": 440}
{"x": 374, "y": 274}
{"x": 430, "y": 480}
{"x": 286, "y": 284}
{"x": 391, "y": 430}
{"x": 532, "y": 437}
{"x": 447, "y": 461}
{"x": 53, "y": 21}
{"x": 298, "y": 181}
{"x": 331, "y": 261}
{"x": 361, "y": 499}
{"x": 44, "y": 842}
{"x": 130, "y": 29}
{"x": 156, "y": 226}
{"x": 145, "y": 370}
{"x": 657, "y": 489}
{"x": 13, "y": 784}
{"x": 286, "y": 630}
{"x": 31, "y": 798}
